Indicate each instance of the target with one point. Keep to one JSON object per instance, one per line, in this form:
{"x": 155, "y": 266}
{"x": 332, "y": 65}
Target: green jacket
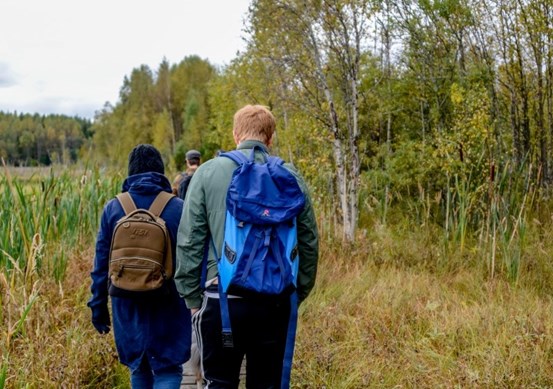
{"x": 204, "y": 214}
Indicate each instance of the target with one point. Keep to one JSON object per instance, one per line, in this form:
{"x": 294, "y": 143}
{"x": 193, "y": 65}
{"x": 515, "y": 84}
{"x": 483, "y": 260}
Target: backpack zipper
{"x": 138, "y": 266}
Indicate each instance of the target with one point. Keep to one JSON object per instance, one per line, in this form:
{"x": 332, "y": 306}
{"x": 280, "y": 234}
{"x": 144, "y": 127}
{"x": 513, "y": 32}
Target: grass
{"x": 59, "y": 347}
{"x": 388, "y": 326}
{"x": 399, "y": 308}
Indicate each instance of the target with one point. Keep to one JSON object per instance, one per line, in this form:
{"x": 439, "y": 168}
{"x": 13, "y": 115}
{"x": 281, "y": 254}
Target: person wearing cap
{"x": 181, "y": 182}
{"x": 152, "y": 334}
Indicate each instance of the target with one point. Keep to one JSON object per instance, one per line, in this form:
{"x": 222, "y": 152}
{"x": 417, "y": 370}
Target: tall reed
{"x": 511, "y": 202}
{"x": 63, "y": 210}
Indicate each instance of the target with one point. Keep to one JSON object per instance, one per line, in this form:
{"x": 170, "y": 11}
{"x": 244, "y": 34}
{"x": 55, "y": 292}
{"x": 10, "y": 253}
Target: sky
{"x": 70, "y": 57}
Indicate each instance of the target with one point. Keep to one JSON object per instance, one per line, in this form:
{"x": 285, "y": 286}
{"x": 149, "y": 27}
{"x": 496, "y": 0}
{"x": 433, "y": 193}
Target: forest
{"x": 425, "y": 132}
{"x": 42, "y": 140}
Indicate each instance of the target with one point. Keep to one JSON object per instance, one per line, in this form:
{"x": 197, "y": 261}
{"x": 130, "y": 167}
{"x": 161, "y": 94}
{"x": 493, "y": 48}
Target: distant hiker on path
{"x": 181, "y": 182}
{"x": 260, "y": 323}
{"x": 152, "y": 328}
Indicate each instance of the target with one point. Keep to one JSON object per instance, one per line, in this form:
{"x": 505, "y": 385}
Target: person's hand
{"x": 100, "y": 319}
{"x": 193, "y": 311}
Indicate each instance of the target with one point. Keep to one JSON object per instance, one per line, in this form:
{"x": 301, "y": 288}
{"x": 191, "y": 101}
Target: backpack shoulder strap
{"x": 126, "y": 202}
{"x": 237, "y": 156}
{"x": 274, "y": 160}
{"x": 160, "y": 202}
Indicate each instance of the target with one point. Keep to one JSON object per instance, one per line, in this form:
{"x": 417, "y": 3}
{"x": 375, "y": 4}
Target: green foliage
{"x": 162, "y": 109}
{"x": 162, "y": 135}
{"x": 179, "y": 158}
{"x": 223, "y": 96}
{"x": 3, "y": 374}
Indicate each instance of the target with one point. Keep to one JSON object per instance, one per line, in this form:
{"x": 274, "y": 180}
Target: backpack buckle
{"x": 227, "y": 338}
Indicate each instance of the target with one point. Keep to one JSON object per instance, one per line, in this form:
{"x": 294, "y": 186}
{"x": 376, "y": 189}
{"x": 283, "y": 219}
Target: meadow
{"x": 412, "y": 303}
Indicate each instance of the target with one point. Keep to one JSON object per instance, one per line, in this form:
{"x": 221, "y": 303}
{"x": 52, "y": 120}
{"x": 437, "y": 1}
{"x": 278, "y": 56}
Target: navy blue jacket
{"x": 158, "y": 329}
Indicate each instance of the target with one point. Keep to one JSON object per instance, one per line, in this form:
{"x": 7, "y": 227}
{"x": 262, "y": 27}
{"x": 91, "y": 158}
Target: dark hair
{"x": 145, "y": 158}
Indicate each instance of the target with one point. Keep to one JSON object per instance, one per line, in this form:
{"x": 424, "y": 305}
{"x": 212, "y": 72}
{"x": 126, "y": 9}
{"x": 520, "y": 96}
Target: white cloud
{"x": 70, "y": 57}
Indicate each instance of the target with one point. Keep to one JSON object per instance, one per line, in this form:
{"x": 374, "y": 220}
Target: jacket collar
{"x": 249, "y": 144}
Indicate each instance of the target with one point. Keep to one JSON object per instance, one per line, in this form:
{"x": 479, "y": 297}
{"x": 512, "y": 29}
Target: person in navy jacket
{"x": 152, "y": 335}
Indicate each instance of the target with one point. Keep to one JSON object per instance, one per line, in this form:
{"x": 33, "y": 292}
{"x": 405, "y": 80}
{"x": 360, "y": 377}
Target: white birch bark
{"x": 337, "y": 143}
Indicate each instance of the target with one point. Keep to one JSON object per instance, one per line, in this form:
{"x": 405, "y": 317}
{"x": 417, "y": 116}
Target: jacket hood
{"x": 146, "y": 183}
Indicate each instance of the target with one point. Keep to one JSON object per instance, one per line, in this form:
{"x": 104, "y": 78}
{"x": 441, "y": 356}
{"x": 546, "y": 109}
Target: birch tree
{"x": 319, "y": 46}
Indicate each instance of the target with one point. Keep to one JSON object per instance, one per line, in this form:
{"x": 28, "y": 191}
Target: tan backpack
{"x": 141, "y": 255}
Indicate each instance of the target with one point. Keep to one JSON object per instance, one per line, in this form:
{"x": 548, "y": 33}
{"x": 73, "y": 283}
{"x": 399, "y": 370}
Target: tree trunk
{"x": 355, "y": 164}
{"x": 542, "y": 137}
{"x": 549, "y": 89}
{"x": 337, "y": 144}
{"x": 523, "y": 92}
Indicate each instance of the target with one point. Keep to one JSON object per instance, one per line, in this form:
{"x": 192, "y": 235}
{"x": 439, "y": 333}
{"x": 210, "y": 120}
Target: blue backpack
{"x": 260, "y": 254}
